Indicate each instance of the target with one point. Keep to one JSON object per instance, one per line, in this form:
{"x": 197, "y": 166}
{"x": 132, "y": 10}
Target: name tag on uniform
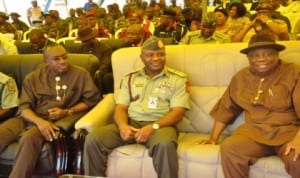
{"x": 152, "y": 103}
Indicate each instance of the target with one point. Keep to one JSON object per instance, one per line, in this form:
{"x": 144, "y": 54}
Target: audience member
{"x": 237, "y": 17}
{"x": 92, "y": 21}
{"x": 169, "y": 31}
{"x": 87, "y": 35}
{"x": 264, "y": 23}
{"x": 148, "y": 117}
{"x": 136, "y": 35}
{"x": 7, "y": 46}
{"x": 268, "y": 93}
{"x": 207, "y": 34}
{"x": 222, "y": 25}
{"x": 39, "y": 40}
{"x": 56, "y": 91}
{"x": 6, "y": 27}
{"x": 61, "y": 25}
{"x": 49, "y": 27}
{"x": 8, "y": 96}
{"x": 72, "y": 20}
{"x": 34, "y": 14}
{"x": 296, "y": 31}
{"x": 19, "y": 24}
{"x": 87, "y": 6}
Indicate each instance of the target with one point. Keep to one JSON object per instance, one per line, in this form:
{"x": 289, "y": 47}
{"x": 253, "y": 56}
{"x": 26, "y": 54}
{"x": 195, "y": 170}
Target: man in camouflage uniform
{"x": 19, "y": 24}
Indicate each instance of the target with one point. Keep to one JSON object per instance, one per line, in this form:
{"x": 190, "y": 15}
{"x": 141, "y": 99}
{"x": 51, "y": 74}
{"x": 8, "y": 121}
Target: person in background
{"x": 267, "y": 91}
{"x": 296, "y": 31}
{"x": 222, "y": 25}
{"x": 19, "y": 24}
{"x": 169, "y": 31}
{"x": 8, "y": 97}
{"x": 148, "y": 117}
{"x": 56, "y": 91}
{"x": 35, "y": 14}
{"x": 61, "y": 25}
{"x": 87, "y": 6}
{"x": 6, "y": 27}
{"x": 136, "y": 35}
{"x": 207, "y": 34}
{"x": 49, "y": 27}
{"x": 237, "y": 18}
{"x": 72, "y": 20}
{"x": 263, "y": 23}
{"x": 90, "y": 45}
{"x": 7, "y": 46}
{"x": 39, "y": 40}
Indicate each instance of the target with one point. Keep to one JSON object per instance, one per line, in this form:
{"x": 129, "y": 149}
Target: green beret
{"x": 153, "y": 43}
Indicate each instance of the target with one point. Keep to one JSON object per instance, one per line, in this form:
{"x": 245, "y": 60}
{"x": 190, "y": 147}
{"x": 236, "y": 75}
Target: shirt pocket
{"x": 278, "y": 97}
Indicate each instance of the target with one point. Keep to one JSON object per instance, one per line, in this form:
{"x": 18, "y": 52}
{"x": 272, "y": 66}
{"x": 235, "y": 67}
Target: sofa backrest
{"x": 18, "y": 66}
{"x": 209, "y": 68}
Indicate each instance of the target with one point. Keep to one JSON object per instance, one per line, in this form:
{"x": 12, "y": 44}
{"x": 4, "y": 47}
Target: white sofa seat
{"x": 209, "y": 69}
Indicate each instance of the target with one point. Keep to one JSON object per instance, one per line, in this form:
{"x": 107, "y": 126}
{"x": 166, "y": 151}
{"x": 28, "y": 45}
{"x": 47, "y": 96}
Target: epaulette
{"x": 177, "y": 72}
{"x": 4, "y": 78}
{"x": 133, "y": 72}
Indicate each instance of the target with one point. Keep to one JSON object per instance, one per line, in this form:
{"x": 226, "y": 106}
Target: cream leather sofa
{"x": 209, "y": 69}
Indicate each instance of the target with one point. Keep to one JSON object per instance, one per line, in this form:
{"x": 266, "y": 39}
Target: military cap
{"x": 209, "y": 20}
{"x": 153, "y": 43}
{"x": 14, "y": 14}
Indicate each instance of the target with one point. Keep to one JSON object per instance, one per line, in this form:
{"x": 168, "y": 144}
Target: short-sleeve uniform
{"x": 8, "y": 91}
{"x": 153, "y": 98}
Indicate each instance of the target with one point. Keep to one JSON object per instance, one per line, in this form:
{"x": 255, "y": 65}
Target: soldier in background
{"x": 19, "y": 24}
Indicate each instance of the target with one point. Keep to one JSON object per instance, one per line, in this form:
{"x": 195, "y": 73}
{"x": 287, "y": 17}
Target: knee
{"x": 227, "y": 146}
{"x": 92, "y": 140}
{"x": 167, "y": 145}
{"x": 31, "y": 140}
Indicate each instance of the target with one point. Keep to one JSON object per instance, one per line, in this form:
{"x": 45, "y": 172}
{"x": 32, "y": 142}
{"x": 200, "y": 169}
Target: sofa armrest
{"x": 99, "y": 116}
{"x": 66, "y": 124}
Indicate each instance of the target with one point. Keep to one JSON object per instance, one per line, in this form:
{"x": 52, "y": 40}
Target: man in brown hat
{"x": 143, "y": 116}
{"x": 87, "y": 35}
{"x": 19, "y": 24}
{"x": 268, "y": 93}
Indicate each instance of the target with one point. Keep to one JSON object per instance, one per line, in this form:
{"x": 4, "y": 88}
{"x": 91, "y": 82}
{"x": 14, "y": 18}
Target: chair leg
{"x": 79, "y": 138}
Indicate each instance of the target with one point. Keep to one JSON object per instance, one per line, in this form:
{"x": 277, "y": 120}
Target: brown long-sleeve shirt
{"x": 271, "y": 104}
{"x": 39, "y": 91}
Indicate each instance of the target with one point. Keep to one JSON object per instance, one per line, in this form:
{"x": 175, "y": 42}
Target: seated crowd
{"x": 99, "y": 33}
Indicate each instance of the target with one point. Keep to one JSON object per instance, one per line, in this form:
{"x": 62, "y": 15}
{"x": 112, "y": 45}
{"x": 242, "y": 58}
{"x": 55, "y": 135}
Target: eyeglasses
{"x": 267, "y": 55}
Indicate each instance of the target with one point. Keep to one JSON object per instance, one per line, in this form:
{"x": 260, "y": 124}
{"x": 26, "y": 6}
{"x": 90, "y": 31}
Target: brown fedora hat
{"x": 258, "y": 41}
{"x": 86, "y": 33}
